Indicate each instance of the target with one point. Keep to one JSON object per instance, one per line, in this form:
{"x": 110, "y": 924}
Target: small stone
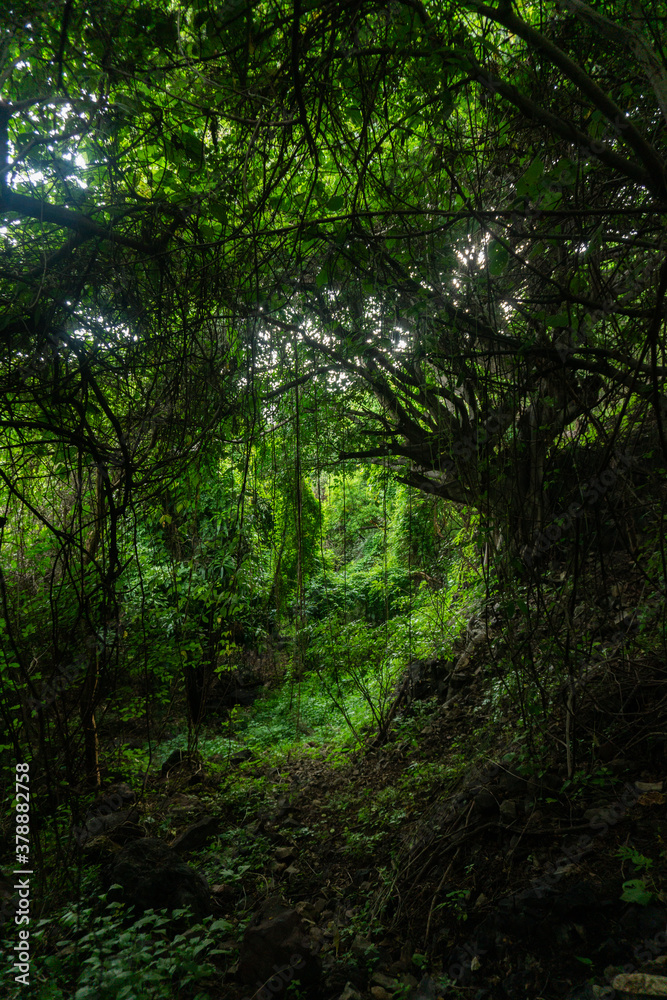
{"x": 397, "y": 968}
{"x": 380, "y": 993}
{"x": 508, "y": 811}
{"x": 195, "y": 836}
{"x": 183, "y": 804}
{"x": 283, "y": 853}
{"x": 360, "y": 945}
{"x": 637, "y": 982}
{"x": 648, "y": 786}
{"x": 349, "y": 993}
{"x": 386, "y": 981}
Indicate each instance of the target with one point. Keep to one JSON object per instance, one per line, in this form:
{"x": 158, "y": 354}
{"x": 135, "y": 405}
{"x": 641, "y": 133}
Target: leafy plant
{"x": 639, "y": 861}
{"x": 109, "y": 958}
{"x": 635, "y": 890}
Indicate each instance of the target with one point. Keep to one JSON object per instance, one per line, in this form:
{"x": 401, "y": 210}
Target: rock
{"x": 360, "y": 946}
{"x": 98, "y": 826}
{"x": 379, "y": 979}
{"x": 152, "y": 876}
{"x": 349, "y": 993}
{"x": 183, "y": 804}
{"x": 398, "y": 968}
{"x": 648, "y": 786}
{"x": 306, "y": 910}
{"x": 115, "y": 797}
{"x": 638, "y": 982}
{"x": 513, "y": 784}
{"x": 380, "y": 993}
{"x": 99, "y": 850}
{"x": 428, "y": 989}
{"x": 485, "y": 802}
{"x": 284, "y": 853}
{"x": 276, "y": 949}
{"x": 110, "y": 811}
{"x": 240, "y": 756}
{"x": 195, "y": 836}
{"x": 508, "y": 811}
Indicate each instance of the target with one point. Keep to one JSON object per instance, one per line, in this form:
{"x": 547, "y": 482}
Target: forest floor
{"x": 466, "y": 856}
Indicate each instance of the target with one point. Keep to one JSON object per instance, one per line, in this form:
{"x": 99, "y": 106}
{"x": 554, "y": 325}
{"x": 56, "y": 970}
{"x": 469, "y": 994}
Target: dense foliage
{"x": 320, "y": 323}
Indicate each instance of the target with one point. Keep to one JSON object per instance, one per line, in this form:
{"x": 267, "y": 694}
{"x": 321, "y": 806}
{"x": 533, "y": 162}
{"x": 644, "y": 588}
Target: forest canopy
{"x": 447, "y": 218}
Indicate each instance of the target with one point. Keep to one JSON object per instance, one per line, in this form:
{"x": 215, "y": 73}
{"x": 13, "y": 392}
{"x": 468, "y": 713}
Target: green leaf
{"x": 218, "y": 212}
{"x": 497, "y": 256}
{"x": 635, "y": 891}
{"x": 528, "y": 184}
{"x": 559, "y": 319}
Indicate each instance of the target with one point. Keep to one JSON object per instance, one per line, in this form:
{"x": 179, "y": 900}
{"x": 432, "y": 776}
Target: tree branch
{"x": 33, "y": 208}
